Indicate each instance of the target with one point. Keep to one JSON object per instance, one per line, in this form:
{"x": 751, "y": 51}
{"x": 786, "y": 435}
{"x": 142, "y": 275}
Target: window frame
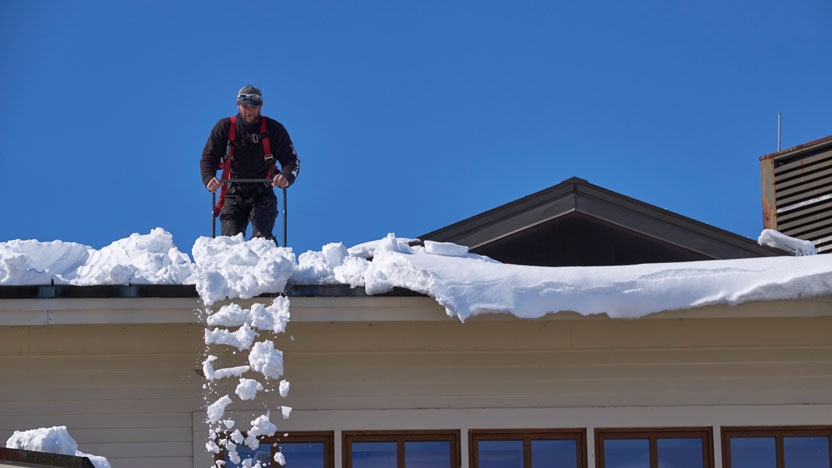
{"x": 777, "y": 432}
{"x": 325, "y": 437}
{"x": 527, "y": 436}
{"x": 653, "y": 434}
{"x": 400, "y": 437}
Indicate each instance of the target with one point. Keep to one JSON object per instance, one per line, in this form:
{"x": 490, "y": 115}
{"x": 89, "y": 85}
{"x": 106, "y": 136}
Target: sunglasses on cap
{"x": 255, "y": 98}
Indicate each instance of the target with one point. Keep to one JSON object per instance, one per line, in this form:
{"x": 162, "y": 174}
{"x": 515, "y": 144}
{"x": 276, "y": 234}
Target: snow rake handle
{"x": 243, "y": 181}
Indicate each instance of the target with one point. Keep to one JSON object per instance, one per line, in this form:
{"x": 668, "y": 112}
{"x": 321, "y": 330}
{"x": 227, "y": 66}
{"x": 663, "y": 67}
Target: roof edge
{"x": 798, "y": 148}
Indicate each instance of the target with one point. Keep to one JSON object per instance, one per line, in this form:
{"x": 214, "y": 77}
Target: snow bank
{"x": 54, "y": 439}
{"x": 465, "y": 284}
{"x": 138, "y": 259}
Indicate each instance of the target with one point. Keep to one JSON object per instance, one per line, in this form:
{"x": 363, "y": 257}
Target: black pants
{"x": 259, "y": 207}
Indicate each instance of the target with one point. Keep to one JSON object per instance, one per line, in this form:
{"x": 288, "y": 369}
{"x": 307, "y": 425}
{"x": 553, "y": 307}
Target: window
{"x": 396, "y": 449}
{"x": 299, "y": 449}
{"x": 532, "y": 448}
{"x": 777, "y": 447}
{"x": 654, "y": 448}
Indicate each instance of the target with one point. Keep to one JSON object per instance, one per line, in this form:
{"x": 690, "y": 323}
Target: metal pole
{"x": 243, "y": 181}
{"x": 213, "y": 220}
{"x": 778, "y": 132}
{"x": 285, "y": 214}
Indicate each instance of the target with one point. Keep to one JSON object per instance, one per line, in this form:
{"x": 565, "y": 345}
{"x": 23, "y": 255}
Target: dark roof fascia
{"x": 68, "y": 291}
{"x": 667, "y": 225}
{"x": 515, "y": 216}
{"x": 577, "y": 194}
{"x": 31, "y": 458}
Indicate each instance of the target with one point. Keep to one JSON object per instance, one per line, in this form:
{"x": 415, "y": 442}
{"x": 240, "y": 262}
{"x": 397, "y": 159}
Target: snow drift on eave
{"x": 465, "y": 284}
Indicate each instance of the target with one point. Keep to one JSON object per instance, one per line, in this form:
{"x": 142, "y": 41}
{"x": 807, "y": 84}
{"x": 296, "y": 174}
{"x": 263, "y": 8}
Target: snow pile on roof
{"x": 468, "y": 285}
{"x": 233, "y": 267}
{"x": 54, "y": 439}
{"x": 778, "y": 240}
{"x": 465, "y": 284}
{"x": 138, "y": 259}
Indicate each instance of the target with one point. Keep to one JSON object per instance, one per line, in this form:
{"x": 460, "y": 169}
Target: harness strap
{"x": 226, "y": 162}
{"x": 267, "y": 148}
{"x": 225, "y": 165}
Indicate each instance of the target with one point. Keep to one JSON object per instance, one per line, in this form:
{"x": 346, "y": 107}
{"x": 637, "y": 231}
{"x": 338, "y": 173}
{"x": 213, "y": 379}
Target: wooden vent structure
{"x": 797, "y": 192}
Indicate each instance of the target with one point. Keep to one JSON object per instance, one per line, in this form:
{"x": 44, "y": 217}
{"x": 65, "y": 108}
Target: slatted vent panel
{"x": 803, "y": 196}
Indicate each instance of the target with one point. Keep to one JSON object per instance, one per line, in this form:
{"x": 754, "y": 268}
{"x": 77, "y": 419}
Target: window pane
{"x": 753, "y": 452}
{"x": 806, "y": 452}
{"x": 374, "y": 454}
{"x": 500, "y": 453}
{"x": 680, "y": 453}
{"x": 263, "y": 454}
{"x": 554, "y": 453}
{"x": 626, "y": 453}
{"x": 303, "y": 454}
{"x": 433, "y": 454}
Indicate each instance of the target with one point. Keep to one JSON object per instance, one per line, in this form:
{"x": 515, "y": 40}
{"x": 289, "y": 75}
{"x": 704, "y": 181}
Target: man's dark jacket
{"x": 248, "y": 161}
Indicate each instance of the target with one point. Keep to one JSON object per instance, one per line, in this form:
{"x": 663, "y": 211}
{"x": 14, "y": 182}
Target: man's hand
{"x": 280, "y": 181}
{"x": 213, "y": 185}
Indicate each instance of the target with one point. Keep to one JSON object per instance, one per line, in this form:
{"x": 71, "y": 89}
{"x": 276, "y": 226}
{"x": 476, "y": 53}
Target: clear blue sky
{"x": 407, "y": 116}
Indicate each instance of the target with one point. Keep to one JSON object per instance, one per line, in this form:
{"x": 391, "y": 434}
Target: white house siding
{"x": 130, "y": 392}
{"x": 126, "y": 392}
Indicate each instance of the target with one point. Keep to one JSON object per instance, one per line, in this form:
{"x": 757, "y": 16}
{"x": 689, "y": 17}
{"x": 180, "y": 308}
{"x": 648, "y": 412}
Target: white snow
{"x": 267, "y": 360}
{"x": 138, "y": 259}
{"x": 248, "y": 388}
{"x": 465, "y": 284}
{"x": 778, "y": 240}
{"x": 216, "y": 410}
{"x": 233, "y": 267}
{"x": 54, "y": 439}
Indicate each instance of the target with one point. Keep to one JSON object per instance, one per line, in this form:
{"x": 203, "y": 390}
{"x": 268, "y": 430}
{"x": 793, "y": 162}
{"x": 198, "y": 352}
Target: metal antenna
{"x": 778, "y": 132}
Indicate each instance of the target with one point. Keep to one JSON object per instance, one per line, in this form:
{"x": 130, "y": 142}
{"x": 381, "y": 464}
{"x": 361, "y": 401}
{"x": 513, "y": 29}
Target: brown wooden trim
{"x": 21, "y": 457}
{"x": 775, "y": 432}
{"x": 527, "y": 435}
{"x": 325, "y": 437}
{"x": 653, "y": 434}
{"x": 400, "y": 437}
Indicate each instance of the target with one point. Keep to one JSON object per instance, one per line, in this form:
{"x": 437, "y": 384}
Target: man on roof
{"x": 247, "y": 148}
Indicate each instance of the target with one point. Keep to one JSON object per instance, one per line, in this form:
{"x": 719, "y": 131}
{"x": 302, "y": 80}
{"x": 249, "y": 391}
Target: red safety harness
{"x": 225, "y": 162}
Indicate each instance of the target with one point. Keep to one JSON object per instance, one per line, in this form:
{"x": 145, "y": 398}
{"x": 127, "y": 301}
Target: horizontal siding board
{"x": 102, "y": 339}
{"x": 792, "y": 179}
{"x": 802, "y": 196}
{"x": 811, "y": 232}
{"x": 821, "y": 183}
{"x": 116, "y": 380}
{"x": 815, "y": 220}
{"x": 146, "y": 434}
{"x": 109, "y": 339}
{"x": 796, "y": 164}
{"x": 591, "y": 333}
{"x": 100, "y": 362}
{"x": 479, "y": 376}
{"x": 96, "y": 421}
{"x": 794, "y": 216}
{"x": 307, "y": 361}
{"x": 140, "y": 449}
{"x": 76, "y": 404}
{"x": 145, "y": 462}
{"x": 568, "y": 393}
